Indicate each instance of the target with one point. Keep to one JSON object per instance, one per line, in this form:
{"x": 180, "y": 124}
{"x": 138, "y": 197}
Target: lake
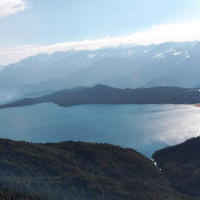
{"x": 145, "y": 128}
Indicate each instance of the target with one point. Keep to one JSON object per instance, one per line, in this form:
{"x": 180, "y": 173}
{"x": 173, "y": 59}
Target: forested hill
{"x": 101, "y": 94}
{"x": 181, "y": 165}
{"x": 79, "y": 171}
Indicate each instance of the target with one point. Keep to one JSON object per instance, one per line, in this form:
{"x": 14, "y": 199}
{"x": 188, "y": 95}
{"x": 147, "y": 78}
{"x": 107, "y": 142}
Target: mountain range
{"x": 101, "y": 94}
{"x": 167, "y": 64}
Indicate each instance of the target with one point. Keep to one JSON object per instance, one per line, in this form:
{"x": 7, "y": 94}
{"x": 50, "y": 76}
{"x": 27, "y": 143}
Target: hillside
{"x": 76, "y": 170}
{"x": 181, "y": 165}
{"x": 11, "y": 193}
{"x": 101, "y": 94}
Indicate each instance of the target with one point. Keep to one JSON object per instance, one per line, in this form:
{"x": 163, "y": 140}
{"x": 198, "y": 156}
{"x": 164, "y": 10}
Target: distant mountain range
{"x": 167, "y": 64}
{"x": 44, "y": 67}
{"x": 101, "y": 94}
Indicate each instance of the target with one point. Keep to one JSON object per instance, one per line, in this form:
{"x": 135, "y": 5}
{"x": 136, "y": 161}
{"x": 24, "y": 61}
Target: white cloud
{"x": 9, "y": 7}
{"x": 179, "y": 32}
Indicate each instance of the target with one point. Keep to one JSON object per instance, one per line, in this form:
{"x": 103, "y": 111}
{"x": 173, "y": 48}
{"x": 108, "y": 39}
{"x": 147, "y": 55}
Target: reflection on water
{"x": 145, "y": 128}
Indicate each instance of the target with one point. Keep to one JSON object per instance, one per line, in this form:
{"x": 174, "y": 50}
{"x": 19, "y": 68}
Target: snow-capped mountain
{"x": 46, "y": 67}
{"x": 167, "y": 64}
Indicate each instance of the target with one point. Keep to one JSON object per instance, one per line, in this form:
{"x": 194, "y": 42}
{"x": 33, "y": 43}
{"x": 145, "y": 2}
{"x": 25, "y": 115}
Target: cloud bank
{"x": 10, "y": 7}
{"x": 178, "y": 32}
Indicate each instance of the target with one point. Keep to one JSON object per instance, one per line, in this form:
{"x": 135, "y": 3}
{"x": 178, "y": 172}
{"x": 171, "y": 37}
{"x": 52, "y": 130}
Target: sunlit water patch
{"x": 145, "y": 128}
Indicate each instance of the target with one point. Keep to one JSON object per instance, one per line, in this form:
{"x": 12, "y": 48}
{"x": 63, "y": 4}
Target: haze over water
{"x": 145, "y": 128}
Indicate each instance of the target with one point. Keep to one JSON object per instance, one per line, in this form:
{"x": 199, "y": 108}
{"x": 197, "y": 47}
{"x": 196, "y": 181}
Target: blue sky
{"x": 47, "y": 22}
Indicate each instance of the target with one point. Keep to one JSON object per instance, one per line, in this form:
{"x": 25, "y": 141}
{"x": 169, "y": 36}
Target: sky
{"x": 30, "y": 27}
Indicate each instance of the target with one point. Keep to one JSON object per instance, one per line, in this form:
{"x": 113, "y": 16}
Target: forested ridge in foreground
{"x": 77, "y": 170}
{"x": 181, "y": 165}
{"x": 87, "y": 171}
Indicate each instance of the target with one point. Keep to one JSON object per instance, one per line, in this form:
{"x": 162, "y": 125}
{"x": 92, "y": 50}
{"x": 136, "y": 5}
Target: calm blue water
{"x": 145, "y": 128}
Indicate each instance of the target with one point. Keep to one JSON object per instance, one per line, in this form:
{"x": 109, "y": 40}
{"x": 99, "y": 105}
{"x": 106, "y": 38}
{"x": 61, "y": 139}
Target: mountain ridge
{"x": 172, "y": 64}
{"x": 101, "y": 94}
{"x": 180, "y": 164}
{"x": 81, "y": 171}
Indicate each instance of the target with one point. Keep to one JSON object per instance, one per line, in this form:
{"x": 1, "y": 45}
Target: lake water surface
{"x": 145, "y": 128}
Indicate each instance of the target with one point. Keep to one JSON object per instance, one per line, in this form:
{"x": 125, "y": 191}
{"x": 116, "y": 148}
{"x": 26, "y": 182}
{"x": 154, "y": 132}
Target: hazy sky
{"x": 28, "y": 27}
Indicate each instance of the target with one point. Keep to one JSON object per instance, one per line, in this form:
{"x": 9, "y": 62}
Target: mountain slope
{"x": 44, "y": 67}
{"x": 101, "y": 94}
{"x": 173, "y": 64}
{"x": 98, "y": 72}
{"x": 181, "y": 165}
{"x": 1, "y": 67}
{"x": 11, "y": 193}
{"x": 76, "y": 170}
{"x": 184, "y": 72}
{"x": 167, "y": 64}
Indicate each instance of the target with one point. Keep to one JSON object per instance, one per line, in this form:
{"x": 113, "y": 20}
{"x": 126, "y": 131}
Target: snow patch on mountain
{"x": 176, "y": 53}
{"x": 158, "y": 56}
{"x": 183, "y": 59}
{"x": 91, "y": 56}
{"x": 129, "y": 53}
{"x": 173, "y": 51}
